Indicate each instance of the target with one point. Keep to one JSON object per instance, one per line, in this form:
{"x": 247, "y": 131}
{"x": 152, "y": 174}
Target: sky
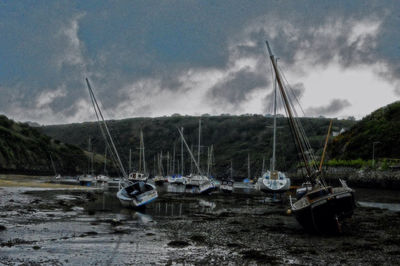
{"x": 156, "y": 58}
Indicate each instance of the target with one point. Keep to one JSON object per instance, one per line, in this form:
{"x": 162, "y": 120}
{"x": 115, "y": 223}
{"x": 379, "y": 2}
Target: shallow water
{"x": 47, "y": 226}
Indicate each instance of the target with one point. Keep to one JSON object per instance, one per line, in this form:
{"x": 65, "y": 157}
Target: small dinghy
{"x": 137, "y": 194}
{"x": 226, "y": 186}
{"x": 177, "y": 179}
{"x": 199, "y": 184}
{"x": 159, "y": 180}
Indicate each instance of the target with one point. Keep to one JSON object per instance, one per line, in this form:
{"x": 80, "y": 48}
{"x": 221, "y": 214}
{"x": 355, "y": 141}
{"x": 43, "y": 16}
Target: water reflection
{"x": 388, "y": 206}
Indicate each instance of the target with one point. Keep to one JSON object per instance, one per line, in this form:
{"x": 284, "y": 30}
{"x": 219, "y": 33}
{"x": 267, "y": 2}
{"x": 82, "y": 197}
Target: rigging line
{"x": 108, "y": 132}
{"x": 290, "y": 88}
{"x": 191, "y": 155}
{"x": 102, "y": 132}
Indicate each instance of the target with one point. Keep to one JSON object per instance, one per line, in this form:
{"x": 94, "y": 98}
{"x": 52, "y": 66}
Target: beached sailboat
{"x": 140, "y": 175}
{"x": 273, "y": 181}
{"x": 321, "y": 208}
{"x": 197, "y": 183}
{"x": 131, "y": 193}
{"x": 159, "y": 178}
{"x": 227, "y": 184}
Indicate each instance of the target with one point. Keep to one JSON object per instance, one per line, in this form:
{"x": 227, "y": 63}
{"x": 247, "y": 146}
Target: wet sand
{"x": 74, "y": 227}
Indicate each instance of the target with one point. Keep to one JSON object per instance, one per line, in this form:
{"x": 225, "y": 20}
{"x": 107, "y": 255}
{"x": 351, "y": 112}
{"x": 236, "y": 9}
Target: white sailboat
{"x": 197, "y": 183}
{"x": 131, "y": 193}
{"x": 227, "y": 184}
{"x": 139, "y": 175}
{"x": 273, "y": 181}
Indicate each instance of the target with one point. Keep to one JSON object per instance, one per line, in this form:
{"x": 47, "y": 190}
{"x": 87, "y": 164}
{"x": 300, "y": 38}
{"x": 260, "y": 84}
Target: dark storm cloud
{"x": 294, "y": 93}
{"x": 234, "y": 89}
{"x": 335, "y": 106}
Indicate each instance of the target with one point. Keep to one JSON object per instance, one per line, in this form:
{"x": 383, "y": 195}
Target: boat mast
{"x": 263, "y": 166}
{"x": 105, "y": 160}
{"x": 325, "y": 146}
{"x": 168, "y": 166}
{"x": 290, "y": 112}
{"x": 182, "y": 151}
{"x": 248, "y": 166}
{"x": 274, "y": 138}
{"x": 191, "y": 162}
{"x": 130, "y": 161}
{"x": 231, "y": 169}
{"x": 52, "y": 164}
{"x": 190, "y": 152}
{"x": 173, "y": 160}
{"x": 198, "y": 148}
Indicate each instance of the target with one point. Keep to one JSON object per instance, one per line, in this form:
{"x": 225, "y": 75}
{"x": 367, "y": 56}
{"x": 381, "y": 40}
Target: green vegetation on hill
{"x": 233, "y": 137}
{"x": 24, "y": 149}
{"x": 382, "y": 127}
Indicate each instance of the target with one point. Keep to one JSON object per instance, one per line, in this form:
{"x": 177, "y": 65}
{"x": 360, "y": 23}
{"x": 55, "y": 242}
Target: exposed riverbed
{"x": 58, "y": 226}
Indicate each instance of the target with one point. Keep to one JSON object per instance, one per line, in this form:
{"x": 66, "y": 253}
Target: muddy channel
{"x": 56, "y": 226}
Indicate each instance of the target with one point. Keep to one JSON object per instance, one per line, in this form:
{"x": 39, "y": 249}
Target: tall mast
{"x": 182, "y": 170}
{"x": 191, "y": 162}
{"x": 154, "y": 165}
{"x": 290, "y": 112}
{"x": 248, "y": 165}
{"x": 208, "y": 161}
{"x": 263, "y": 166}
{"x": 88, "y": 169}
{"x": 144, "y": 158}
{"x": 190, "y": 152}
{"x": 52, "y": 164}
{"x": 105, "y": 160}
{"x": 274, "y": 138}
{"x": 173, "y": 161}
{"x": 168, "y": 169}
{"x": 198, "y": 149}
{"x": 130, "y": 161}
{"x": 231, "y": 169}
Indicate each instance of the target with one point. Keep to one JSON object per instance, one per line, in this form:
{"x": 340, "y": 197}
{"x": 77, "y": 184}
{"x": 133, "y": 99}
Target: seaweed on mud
{"x": 234, "y": 245}
{"x": 198, "y": 238}
{"x": 15, "y": 241}
{"x": 258, "y": 256}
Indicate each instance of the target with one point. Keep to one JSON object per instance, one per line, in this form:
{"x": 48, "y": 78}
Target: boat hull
{"x": 326, "y": 214}
{"x": 137, "y": 201}
{"x": 269, "y": 186}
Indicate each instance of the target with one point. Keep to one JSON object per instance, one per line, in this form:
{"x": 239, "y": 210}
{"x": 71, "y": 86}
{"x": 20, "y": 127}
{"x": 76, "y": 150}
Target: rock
{"x": 36, "y": 247}
{"x": 178, "y": 244}
{"x": 258, "y": 256}
{"x": 2, "y": 227}
{"x": 198, "y": 238}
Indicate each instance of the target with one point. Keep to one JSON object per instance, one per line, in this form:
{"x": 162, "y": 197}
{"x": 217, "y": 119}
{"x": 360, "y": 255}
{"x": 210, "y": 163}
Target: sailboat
{"x": 103, "y": 178}
{"x": 159, "y": 178}
{"x": 140, "y": 175}
{"x": 197, "y": 183}
{"x": 134, "y": 194}
{"x": 321, "y": 208}
{"x": 273, "y": 181}
{"x": 227, "y": 184}
{"x": 88, "y": 179}
{"x": 177, "y": 179}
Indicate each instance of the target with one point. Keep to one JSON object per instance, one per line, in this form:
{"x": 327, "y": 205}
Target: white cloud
{"x": 47, "y": 97}
{"x": 72, "y": 46}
